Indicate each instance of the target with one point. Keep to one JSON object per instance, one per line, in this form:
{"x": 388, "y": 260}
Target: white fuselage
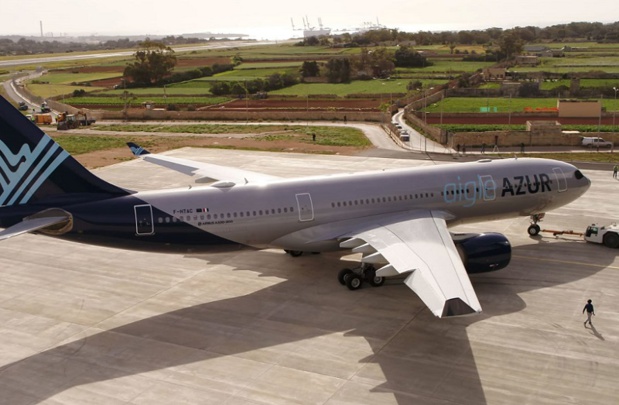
{"x": 314, "y": 213}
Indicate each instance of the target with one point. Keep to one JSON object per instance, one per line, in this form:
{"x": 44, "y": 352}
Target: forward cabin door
{"x": 306, "y": 209}
{"x": 561, "y": 181}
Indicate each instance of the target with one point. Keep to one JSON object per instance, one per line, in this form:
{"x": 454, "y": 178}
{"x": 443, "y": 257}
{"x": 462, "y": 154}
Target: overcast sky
{"x": 271, "y": 19}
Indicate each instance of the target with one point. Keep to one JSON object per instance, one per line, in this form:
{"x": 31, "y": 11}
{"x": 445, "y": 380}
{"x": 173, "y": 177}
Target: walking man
{"x": 589, "y": 308}
{"x": 615, "y": 169}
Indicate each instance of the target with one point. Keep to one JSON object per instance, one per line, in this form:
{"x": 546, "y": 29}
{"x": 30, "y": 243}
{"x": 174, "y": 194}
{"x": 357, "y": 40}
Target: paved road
{"x": 418, "y": 142}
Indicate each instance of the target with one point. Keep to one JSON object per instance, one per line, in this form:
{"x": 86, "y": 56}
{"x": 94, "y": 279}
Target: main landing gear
{"x": 294, "y": 253}
{"x": 353, "y": 278}
{"x": 534, "y": 228}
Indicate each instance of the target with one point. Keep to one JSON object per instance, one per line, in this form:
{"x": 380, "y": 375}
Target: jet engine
{"x": 483, "y": 252}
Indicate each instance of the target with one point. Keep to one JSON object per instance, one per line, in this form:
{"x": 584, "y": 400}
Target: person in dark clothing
{"x": 590, "y": 311}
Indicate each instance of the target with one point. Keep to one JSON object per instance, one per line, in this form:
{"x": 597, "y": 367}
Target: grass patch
{"x": 55, "y": 90}
{"x": 325, "y": 135}
{"x": 68, "y": 78}
{"x": 78, "y": 144}
{"x": 384, "y": 87}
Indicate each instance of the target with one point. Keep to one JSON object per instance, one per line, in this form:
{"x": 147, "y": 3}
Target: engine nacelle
{"x": 483, "y": 252}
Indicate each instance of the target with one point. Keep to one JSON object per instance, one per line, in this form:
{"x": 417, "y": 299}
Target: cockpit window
{"x": 578, "y": 174}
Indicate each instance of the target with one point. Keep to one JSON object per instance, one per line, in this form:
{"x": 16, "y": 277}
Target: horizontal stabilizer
{"x": 31, "y": 225}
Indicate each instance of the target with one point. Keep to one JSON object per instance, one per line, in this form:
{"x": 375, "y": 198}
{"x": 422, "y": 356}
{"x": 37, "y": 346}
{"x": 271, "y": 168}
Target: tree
{"x": 510, "y": 44}
{"x": 310, "y": 69}
{"x": 338, "y": 70}
{"x": 153, "y": 61}
{"x": 408, "y": 57}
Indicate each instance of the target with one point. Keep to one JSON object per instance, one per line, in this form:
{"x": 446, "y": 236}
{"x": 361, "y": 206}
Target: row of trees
{"x": 370, "y": 63}
{"x": 590, "y": 31}
{"x": 28, "y": 46}
{"x": 240, "y": 89}
{"x": 154, "y": 63}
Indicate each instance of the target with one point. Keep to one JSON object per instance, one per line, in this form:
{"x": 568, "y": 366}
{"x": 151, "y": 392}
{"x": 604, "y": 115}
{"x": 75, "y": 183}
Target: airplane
{"x": 397, "y": 219}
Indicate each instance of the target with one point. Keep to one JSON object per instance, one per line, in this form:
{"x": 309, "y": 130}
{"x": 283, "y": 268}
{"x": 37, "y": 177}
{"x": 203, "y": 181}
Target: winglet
{"x": 456, "y": 307}
{"x": 137, "y": 150}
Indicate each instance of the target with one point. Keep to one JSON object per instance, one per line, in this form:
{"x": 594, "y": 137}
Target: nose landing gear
{"x": 534, "y": 228}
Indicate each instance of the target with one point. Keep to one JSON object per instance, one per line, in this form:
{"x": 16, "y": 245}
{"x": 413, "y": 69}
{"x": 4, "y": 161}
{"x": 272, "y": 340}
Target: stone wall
{"x": 529, "y": 138}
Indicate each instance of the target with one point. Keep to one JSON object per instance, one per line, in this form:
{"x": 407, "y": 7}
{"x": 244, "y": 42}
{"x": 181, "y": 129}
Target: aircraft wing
{"x": 204, "y": 172}
{"x": 422, "y": 246}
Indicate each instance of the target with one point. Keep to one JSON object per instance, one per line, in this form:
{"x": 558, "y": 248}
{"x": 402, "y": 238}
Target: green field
{"x": 68, "y": 78}
{"x": 569, "y": 64}
{"x": 385, "y": 87}
{"x": 503, "y": 105}
{"x": 505, "y": 127}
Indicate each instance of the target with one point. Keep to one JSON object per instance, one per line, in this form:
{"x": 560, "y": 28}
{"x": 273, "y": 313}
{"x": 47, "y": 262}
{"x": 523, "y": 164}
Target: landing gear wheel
{"x": 343, "y": 275}
{"x": 373, "y": 279}
{"x": 611, "y": 240}
{"x": 353, "y": 281}
{"x": 533, "y": 230}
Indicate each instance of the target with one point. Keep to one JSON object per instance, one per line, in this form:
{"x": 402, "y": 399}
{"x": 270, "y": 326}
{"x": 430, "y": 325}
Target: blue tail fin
{"x": 34, "y": 168}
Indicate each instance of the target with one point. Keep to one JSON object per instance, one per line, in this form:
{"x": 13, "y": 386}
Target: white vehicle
{"x": 595, "y": 142}
{"x": 404, "y": 135}
{"x": 608, "y": 235}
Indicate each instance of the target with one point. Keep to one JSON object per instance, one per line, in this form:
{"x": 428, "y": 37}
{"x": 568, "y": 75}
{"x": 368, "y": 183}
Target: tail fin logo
{"x": 22, "y": 174}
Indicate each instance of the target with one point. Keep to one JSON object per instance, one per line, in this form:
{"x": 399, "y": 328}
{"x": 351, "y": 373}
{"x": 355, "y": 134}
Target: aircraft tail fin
{"x": 34, "y": 168}
{"x": 137, "y": 150}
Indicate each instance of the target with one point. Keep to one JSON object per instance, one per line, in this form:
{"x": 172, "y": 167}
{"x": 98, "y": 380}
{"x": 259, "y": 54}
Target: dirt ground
{"x": 157, "y": 144}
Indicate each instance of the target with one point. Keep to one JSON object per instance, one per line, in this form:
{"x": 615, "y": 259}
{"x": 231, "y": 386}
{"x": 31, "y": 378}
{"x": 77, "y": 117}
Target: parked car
{"x": 595, "y": 142}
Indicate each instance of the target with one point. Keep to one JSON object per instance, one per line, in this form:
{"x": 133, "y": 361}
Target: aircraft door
{"x": 488, "y": 187}
{"x": 561, "y": 181}
{"x": 144, "y": 220}
{"x": 306, "y": 209}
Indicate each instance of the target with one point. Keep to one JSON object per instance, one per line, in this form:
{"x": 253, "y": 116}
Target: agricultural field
{"x": 502, "y": 104}
{"x": 573, "y": 64}
{"x": 98, "y": 78}
{"x": 387, "y": 88}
